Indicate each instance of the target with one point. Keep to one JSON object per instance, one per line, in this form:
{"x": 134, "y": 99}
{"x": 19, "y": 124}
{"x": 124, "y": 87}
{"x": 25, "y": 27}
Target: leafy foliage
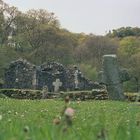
{"x": 89, "y": 71}
{"x": 124, "y": 32}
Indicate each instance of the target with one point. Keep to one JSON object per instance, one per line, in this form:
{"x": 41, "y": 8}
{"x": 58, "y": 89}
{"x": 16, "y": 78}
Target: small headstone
{"x": 16, "y": 80}
{"x": 44, "y": 92}
{"x": 57, "y": 84}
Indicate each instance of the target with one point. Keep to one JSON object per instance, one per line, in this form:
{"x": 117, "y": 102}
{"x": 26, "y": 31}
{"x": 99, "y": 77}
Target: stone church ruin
{"x": 23, "y": 75}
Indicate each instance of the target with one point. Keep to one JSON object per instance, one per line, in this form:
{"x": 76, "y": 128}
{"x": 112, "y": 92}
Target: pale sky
{"x": 88, "y": 16}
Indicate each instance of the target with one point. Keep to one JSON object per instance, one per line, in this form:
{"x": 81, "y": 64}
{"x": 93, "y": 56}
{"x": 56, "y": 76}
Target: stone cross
{"x": 57, "y": 84}
{"x": 16, "y": 80}
{"x": 76, "y": 79}
{"x": 111, "y": 76}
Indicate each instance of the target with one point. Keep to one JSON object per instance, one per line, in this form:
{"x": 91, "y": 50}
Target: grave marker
{"x": 57, "y": 84}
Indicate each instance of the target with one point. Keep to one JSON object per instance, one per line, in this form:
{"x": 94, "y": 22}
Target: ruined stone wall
{"x": 48, "y": 73}
{"x": 20, "y": 74}
{"x": 82, "y": 82}
{"x": 24, "y": 75}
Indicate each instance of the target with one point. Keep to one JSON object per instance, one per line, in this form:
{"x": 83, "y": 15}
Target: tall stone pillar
{"x": 111, "y": 77}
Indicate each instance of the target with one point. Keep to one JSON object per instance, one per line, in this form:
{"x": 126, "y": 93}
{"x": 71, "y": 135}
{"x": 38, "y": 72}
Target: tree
{"x": 7, "y": 17}
{"x": 94, "y": 48}
{"x": 129, "y": 46}
{"x": 43, "y": 17}
{"x": 135, "y": 69}
{"x": 129, "y": 55}
{"x": 124, "y": 32}
{"x": 35, "y": 27}
{"x": 56, "y": 45}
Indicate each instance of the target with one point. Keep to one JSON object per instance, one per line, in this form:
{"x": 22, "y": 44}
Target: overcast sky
{"x": 89, "y": 16}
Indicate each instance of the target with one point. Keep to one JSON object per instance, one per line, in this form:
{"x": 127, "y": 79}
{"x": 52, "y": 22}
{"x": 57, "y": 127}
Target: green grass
{"x": 93, "y": 120}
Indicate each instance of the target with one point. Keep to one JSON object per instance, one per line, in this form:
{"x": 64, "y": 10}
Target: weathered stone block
{"x": 112, "y": 77}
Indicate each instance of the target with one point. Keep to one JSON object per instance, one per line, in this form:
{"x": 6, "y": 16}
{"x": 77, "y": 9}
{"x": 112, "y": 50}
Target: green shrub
{"x": 89, "y": 71}
{"x": 130, "y": 86}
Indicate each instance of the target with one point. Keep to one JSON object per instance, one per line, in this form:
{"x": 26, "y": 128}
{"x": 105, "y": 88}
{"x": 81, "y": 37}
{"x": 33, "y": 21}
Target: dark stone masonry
{"x": 23, "y": 75}
{"x": 20, "y": 74}
{"x": 51, "y": 75}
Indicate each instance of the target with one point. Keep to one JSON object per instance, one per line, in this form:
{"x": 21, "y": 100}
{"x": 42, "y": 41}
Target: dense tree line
{"x": 124, "y": 32}
{"x": 37, "y": 36}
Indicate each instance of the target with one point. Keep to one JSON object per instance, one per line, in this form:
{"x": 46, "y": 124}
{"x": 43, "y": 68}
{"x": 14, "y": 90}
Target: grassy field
{"x": 93, "y": 120}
